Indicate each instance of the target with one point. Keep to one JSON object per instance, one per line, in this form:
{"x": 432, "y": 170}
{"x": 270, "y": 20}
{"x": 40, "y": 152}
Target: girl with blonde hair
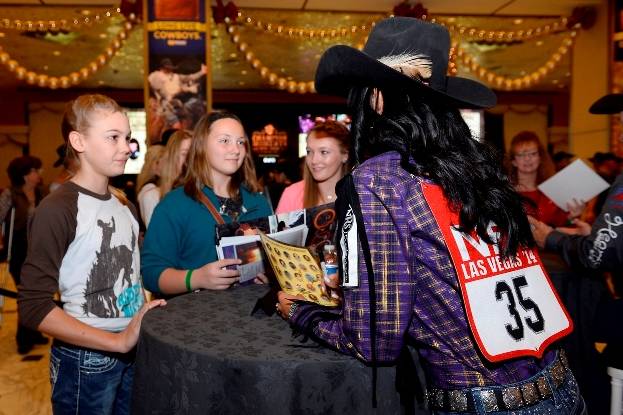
{"x": 174, "y": 160}
{"x": 83, "y": 244}
{"x": 147, "y": 182}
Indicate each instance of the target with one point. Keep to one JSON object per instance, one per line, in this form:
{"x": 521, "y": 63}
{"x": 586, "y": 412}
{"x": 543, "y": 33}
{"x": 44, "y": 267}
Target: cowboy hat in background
{"x": 608, "y": 104}
{"x": 401, "y": 53}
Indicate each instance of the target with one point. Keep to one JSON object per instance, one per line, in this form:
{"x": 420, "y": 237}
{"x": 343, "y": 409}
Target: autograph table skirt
{"x": 204, "y": 353}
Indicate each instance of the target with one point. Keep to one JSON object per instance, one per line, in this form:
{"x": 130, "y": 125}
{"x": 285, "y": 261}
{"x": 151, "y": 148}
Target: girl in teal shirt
{"x": 179, "y": 251}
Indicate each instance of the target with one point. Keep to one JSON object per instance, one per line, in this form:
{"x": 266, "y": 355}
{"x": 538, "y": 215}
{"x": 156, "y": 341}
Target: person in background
{"x": 166, "y": 162}
{"x": 166, "y": 135}
{"x": 606, "y": 165}
{"x": 69, "y": 167}
{"x": 23, "y": 195}
{"x": 219, "y": 186}
{"x": 562, "y": 159}
{"x": 427, "y": 202}
{"x": 598, "y": 248}
{"x": 530, "y": 165}
{"x": 174, "y": 160}
{"x": 147, "y": 182}
{"x": 275, "y": 180}
{"x": 326, "y": 162}
{"x": 135, "y": 149}
{"x": 83, "y": 245}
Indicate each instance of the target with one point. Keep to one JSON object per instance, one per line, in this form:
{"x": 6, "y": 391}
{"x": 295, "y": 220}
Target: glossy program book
{"x": 297, "y": 270}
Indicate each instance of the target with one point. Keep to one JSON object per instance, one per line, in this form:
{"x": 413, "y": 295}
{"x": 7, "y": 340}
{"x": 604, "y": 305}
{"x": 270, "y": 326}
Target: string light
{"x": 503, "y": 36}
{"x": 273, "y": 79}
{"x": 73, "y": 78}
{"x": 473, "y": 33}
{"x": 452, "y": 67}
{"x": 508, "y": 83}
{"x": 65, "y": 25}
{"x": 302, "y": 32}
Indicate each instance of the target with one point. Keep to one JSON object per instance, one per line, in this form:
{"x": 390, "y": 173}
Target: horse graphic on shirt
{"x": 111, "y": 264}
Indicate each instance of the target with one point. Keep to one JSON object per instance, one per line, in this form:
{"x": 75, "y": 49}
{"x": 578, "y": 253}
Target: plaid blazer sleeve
{"x": 348, "y": 330}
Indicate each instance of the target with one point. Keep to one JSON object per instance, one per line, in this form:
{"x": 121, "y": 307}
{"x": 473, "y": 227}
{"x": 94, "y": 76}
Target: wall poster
{"x": 176, "y": 69}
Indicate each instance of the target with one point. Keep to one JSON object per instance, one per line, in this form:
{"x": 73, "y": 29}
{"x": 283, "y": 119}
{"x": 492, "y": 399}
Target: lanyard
{"x": 210, "y": 206}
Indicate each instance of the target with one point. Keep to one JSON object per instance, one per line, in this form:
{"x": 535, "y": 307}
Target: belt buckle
{"x": 458, "y": 400}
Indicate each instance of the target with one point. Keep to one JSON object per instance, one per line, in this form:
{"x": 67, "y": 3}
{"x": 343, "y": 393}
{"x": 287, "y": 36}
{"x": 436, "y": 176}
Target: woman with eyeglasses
{"x": 530, "y": 165}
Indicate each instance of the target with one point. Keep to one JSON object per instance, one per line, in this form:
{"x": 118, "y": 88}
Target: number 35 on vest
{"x": 511, "y": 306}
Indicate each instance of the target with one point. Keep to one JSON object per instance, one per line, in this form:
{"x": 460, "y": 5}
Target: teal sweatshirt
{"x": 181, "y": 234}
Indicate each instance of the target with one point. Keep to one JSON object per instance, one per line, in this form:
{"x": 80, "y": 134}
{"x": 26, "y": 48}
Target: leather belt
{"x": 502, "y": 398}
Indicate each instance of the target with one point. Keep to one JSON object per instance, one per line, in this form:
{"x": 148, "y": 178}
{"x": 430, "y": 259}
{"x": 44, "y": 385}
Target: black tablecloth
{"x": 205, "y": 353}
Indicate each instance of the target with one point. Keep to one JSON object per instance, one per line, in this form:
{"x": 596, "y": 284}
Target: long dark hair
{"x": 435, "y": 142}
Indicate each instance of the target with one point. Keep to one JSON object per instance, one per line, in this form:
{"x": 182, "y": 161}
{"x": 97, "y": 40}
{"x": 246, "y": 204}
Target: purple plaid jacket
{"x": 417, "y": 290}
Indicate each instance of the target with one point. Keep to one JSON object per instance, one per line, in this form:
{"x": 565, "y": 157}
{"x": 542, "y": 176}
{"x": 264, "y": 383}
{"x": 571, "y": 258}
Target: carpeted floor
{"x": 24, "y": 381}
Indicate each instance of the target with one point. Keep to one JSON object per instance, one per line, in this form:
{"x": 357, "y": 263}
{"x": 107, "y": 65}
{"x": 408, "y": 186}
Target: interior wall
{"x": 589, "y": 133}
{"x": 45, "y": 135}
{"x": 10, "y": 148}
{"x": 524, "y": 117}
{"x": 13, "y": 132}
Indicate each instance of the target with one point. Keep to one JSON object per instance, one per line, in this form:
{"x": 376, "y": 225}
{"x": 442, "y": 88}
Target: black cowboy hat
{"x": 608, "y": 104}
{"x": 342, "y": 67}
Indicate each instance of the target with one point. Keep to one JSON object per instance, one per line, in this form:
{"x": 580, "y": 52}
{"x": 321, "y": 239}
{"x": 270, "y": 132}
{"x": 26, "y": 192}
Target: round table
{"x": 205, "y": 353}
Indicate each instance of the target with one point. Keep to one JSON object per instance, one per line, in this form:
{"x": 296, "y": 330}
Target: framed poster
{"x": 176, "y": 64}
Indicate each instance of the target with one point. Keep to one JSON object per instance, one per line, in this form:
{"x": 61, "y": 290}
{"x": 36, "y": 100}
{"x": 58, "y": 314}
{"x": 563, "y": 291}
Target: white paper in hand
{"x": 576, "y": 181}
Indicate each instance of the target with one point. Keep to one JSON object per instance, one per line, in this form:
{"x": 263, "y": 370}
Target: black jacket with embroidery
{"x": 603, "y": 248}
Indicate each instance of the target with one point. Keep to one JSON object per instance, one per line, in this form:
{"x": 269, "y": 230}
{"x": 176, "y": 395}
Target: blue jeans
{"x": 565, "y": 400}
{"x": 86, "y": 381}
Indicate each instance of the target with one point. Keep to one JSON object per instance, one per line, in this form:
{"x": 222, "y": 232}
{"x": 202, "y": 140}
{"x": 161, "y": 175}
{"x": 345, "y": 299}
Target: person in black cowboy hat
{"x": 435, "y": 248}
{"x": 599, "y": 247}
{"x": 606, "y": 164}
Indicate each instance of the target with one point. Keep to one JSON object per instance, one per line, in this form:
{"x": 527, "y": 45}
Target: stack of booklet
{"x": 576, "y": 182}
{"x": 287, "y": 246}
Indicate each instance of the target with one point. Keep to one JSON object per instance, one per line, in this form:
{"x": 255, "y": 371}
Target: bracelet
{"x": 292, "y": 310}
{"x": 189, "y": 274}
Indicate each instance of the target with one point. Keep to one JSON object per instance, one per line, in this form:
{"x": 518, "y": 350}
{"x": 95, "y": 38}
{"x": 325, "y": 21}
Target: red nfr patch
{"x": 512, "y": 308}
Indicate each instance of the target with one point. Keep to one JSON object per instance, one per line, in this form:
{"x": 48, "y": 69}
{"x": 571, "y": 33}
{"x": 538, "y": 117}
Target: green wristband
{"x": 189, "y": 274}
